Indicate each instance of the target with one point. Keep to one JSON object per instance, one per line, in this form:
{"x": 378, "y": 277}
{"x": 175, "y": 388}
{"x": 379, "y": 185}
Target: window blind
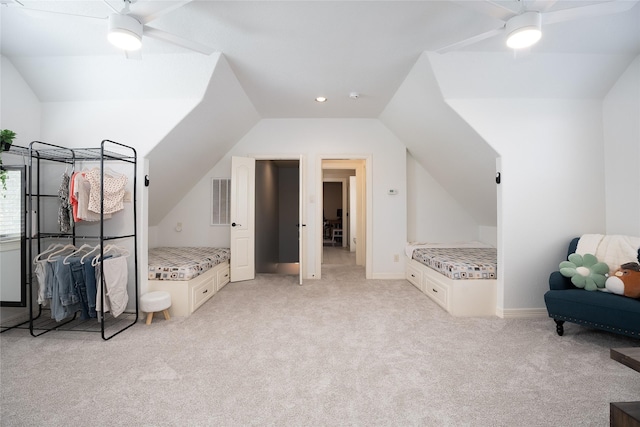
{"x": 11, "y": 207}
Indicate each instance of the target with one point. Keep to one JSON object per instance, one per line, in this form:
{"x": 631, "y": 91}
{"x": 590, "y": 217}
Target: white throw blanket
{"x": 613, "y": 250}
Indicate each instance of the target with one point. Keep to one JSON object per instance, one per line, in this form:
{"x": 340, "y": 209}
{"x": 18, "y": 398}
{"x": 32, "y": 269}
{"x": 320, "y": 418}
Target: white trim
{"x": 368, "y": 215}
{"x": 302, "y": 242}
{"x": 11, "y": 245}
{"x": 521, "y": 313}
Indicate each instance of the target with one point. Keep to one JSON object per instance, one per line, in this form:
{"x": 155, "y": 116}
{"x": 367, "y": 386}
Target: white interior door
{"x": 243, "y": 182}
{"x": 353, "y": 214}
{"x": 302, "y": 229}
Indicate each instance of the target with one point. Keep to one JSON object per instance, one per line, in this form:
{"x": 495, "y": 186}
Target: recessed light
{"x": 321, "y": 99}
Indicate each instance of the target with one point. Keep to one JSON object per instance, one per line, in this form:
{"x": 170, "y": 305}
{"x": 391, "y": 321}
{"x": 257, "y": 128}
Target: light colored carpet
{"x": 332, "y": 255}
{"x": 339, "y": 351}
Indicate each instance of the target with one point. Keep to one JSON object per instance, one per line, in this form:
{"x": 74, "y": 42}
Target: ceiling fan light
{"x": 125, "y": 32}
{"x": 524, "y": 30}
{"x": 124, "y": 40}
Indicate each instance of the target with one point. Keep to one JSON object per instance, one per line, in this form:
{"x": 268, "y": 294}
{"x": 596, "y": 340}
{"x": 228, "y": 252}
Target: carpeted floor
{"x": 338, "y": 351}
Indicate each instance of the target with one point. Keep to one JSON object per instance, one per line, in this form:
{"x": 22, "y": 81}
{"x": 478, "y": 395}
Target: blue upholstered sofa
{"x": 594, "y": 309}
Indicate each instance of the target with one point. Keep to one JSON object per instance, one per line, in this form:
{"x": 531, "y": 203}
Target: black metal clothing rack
{"x": 40, "y": 153}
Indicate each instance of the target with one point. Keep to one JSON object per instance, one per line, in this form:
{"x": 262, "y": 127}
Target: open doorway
{"x": 343, "y": 212}
{"x": 277, "y": 221}
{"x": 336, "y": 212}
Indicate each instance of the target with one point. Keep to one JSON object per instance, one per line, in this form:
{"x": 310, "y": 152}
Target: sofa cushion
{"x": 596, "y": 309}
{"x": 585, "y": 271}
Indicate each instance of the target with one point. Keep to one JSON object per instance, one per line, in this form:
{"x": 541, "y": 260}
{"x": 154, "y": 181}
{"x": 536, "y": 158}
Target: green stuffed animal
{"x": 585, "y": 271}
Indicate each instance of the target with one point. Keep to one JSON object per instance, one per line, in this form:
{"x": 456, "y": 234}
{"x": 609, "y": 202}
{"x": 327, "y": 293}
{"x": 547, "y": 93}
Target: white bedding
{"x": 411, "y": 246}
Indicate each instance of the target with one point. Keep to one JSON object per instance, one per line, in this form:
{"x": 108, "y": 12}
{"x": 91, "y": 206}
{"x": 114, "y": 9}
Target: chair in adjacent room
{"x": 336, "y": 236}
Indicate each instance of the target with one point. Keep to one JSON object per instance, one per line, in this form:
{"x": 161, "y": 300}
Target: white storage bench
{"x": 188, "y": 295}
{"x": 471, "y": 297}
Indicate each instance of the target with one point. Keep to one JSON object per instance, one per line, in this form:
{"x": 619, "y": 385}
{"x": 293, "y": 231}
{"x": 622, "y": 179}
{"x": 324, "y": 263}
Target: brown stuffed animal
{"x": 625, "y": 280}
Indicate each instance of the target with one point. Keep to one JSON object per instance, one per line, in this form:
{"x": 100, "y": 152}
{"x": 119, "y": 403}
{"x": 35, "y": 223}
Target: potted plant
{"x": 6, "y": 139}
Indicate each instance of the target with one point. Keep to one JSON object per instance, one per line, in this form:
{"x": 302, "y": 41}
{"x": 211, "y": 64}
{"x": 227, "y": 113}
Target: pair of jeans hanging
{"x": 80, "y": 286}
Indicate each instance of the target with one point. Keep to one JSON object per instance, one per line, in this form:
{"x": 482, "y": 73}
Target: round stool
{"x": 154, "y": 302}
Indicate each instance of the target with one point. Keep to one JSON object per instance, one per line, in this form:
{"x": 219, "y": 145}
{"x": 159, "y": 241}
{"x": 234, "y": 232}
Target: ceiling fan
{"x": 126, "y": 29}
{"x": 523, "y": 28}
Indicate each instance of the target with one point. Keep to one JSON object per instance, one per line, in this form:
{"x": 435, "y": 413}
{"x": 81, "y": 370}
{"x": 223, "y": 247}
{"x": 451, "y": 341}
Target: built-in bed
{"x": 461, "y": 278}
{"x": 192, "y": 275}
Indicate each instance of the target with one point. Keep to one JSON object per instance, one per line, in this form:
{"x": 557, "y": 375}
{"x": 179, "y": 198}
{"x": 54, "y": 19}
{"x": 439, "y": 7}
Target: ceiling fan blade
{"x": 162, "y": 12}
{"x": 61, "y": 13}
{"x": 541, "y": 5}
{"x": 133, "y": 54}
{"x": 178, "y": 41}
{"x": 611, "y": 7}
{"x": 111, "y": 7}
{"x": 470, "y": 40}
{"x": 8, "y": 2}
{"x": 488, "y": 7}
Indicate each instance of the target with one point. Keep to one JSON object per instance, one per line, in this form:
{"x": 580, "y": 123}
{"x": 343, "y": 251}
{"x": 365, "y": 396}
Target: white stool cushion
{"x": 155, "y": 301}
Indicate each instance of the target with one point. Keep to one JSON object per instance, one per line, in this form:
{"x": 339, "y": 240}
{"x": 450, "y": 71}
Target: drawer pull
{"x": 226, "y": 275}
{"x": 413, "y": 275}
{"x": 434, "y": 290}
{"x": 205, "y": 291}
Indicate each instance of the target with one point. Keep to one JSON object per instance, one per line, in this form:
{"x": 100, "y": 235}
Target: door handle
{"x": 233, "y": 224}
{"x": 298, "y": 225}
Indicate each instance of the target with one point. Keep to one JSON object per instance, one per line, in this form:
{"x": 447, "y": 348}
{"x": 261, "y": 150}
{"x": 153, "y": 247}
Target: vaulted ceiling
{"x": 284, "y": 54}
{"x": 277, "y": 56}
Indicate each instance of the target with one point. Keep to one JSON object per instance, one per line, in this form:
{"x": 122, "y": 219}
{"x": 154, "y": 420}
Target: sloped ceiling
{"x": 108, "y": 77}
{"x": 453, "y": 153}
{"x": 205, "y": 135}
{"x": 281, "y": 55}
{"x": 286, "y": 53}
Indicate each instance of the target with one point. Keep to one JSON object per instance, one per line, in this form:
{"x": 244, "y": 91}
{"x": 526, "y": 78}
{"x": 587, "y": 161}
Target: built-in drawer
{"x": 436, "y": 292}
{"x": 414, "y": 276}
{"x": 202, "y": 292}
{"x": 223, "y": 278}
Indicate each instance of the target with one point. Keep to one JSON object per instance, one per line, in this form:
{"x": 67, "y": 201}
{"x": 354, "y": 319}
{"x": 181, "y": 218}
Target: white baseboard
{"x": 388, "y": 276}
{"x": 521, "y": 313}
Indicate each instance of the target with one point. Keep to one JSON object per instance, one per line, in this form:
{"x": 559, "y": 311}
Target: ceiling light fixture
{"x": 125, "y": 32}
{"x": 321, "y": 99}
{"x": 524, "y": 30}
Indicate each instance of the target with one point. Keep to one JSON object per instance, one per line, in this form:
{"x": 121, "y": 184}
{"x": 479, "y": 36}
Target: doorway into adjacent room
{"x": 343, "y": 212}
{"x": 277, "y": 244}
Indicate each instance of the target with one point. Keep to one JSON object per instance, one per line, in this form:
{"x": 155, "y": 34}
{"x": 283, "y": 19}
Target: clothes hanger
{"x": 119, "y": 251}
{"x": 51, "y": 247}
{"x": 89, "y": 253}
{"x": 61, "y": 251}
{"x": 77, "y": 251}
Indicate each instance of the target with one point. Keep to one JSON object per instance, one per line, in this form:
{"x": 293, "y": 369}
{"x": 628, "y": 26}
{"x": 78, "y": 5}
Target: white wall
{"x": 552, "y": 186}
{"x": 443, "y": 143}
{"x": 621, "y": 118}
{"x": 433, "y": 215}
{"x": 20, "y": 111}
{"x": 201, "y": 138}
{"x": 543, "y": 114}
{"x": 137, "y": 123}
{"x": 313, "y": 138}
{"x": 20, "y": 108}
